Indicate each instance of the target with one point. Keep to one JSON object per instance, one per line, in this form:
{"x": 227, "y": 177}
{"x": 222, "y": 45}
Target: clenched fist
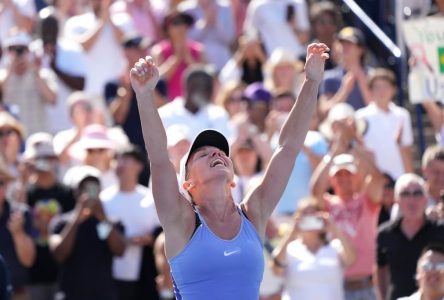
{"x": 144, "y": 75}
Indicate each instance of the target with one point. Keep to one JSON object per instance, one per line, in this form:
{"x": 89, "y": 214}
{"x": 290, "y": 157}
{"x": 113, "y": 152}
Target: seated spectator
{"x": 411, "y": 233}
{"x": 84, "y": 242}
{"x": 16, "y": 244}
{"x": 430, "y": 274}
{"x": 283, "y": 73}
{"x": 195, "y": 109}
{"x": 357, "y": 185}
{"x": 313, "y": 255}
{"x": 213, "y": 27}
{"x": 230, "y": 98}
{"x": 246, "y": 64}
{"x": 26, "y": 87}
{"x": 176, "y": 53}
{"x": 387, "y": 124}
{"x": 348, "y": 81}
{"x": 434, "y": 112}
{"x": 132, "y": 205}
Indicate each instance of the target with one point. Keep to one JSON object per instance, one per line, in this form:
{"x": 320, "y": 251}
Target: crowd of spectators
{"x": 357, "y": 220}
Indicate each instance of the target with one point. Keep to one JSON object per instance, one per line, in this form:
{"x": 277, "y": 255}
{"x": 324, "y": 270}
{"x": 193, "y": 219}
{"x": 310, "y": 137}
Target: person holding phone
{"x": 84, "y": 242}
{"x": 313, "y": 255}
{"x": 198, "y": 214}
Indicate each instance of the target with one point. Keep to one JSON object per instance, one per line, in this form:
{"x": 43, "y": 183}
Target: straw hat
{"x": 7, "y": 120}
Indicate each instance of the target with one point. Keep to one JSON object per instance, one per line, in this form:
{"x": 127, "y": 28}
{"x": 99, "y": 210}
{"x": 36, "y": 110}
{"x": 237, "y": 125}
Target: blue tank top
{"x": 213, "y": 268}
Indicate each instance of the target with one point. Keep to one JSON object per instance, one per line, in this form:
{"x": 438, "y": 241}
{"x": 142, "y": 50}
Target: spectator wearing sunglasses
{"x": 400, "y": 242}
{"x": 430, "y": 274}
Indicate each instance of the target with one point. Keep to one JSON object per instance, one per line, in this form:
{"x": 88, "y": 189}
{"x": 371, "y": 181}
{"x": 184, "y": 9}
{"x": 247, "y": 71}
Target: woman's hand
{"x": 144, "y": 75}
{"x": 316, "y": 56}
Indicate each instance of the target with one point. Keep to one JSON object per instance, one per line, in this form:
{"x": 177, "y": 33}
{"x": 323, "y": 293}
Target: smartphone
{"x": 311, "y": 223}
{"x": 290, "y": 13}
{"x": 92, "y": 190}
{"x": 42, "y": 165}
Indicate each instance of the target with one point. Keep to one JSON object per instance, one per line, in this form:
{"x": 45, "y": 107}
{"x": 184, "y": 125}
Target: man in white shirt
{"x": 195, "y": 109}
{"x": 279, "y": 24}
{"x": 132, "y": 205}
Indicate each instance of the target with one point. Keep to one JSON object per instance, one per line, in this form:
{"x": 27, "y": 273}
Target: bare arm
{"x": 435, "y": 114}
{"x": 382, "y": 278}
{"x": 407, "y": 158}
{"x": 173, "y": 210}
{"x": 260, "y": 204}
{"x": 23, "y": 244}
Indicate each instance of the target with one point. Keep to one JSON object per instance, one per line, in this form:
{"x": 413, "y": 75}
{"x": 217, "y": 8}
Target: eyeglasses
{"x": 414, "y": 194}
{"x": 19, "y": 50}
{"x": 6, "y": 132}
{"x": 428, "y": 266}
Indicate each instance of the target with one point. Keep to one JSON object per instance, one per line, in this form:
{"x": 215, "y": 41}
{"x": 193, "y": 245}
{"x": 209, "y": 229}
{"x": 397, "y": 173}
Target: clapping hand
{"x": 144, "y": 75}
{"x": 316, "y": 56}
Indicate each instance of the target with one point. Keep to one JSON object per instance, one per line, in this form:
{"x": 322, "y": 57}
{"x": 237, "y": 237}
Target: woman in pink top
{"x": 174, "y": 54}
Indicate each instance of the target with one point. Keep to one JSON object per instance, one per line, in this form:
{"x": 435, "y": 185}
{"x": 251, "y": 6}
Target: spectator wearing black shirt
{"x": 16, "y": 245}
{"x": 84, "y": 242}
{"x": 5, "y": 281}
{"x": 46, "y": 197}
{"x": 387, "y": 199}
{"x": 400, "y": 242}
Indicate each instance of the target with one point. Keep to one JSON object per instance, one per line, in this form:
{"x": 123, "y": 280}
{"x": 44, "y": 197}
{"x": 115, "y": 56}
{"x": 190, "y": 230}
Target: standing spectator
{"x": 435, "y": 114}
{"x": 5, "y": 281}
{"x": 100, "y": 38}
{"x": 16, "y": 245}
{"x": 246, "y": 63}
{"x": 311, "y": 264}
{"x": 98, "y": 151}
{"x": 388, "y": 124}
{"x": 432, "y": 166}
{"x": 411, "y": 233}
{"x": 357, "y": 185}
{"x": 283, "y": 73}
{"x": 46, "y": 197}
{"x": 12, "y": 134}
{"x": 66, "y": 59}
{"x": 143, "y": 17}
{"x": 16, "y": 14}
{"x": 348, "y": 81}
{"x": 326, "y": 20}
{"x": 258, "y": 100}
{"x": 430, "y": 274}
{"x": 388, "y": 200}
{"x": 132, "y": 205}
{"x": 176, "y": 53}
{"x": 213, "y": 27}
{"x": 84, "y": 242}
{"x": 279, "y": 24}
{"x": 195, "y": 109}
{"x": 25, "y": 85}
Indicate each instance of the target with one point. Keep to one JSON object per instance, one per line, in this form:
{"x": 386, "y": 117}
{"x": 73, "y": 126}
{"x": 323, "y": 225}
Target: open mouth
{"x": 217, "y": 162}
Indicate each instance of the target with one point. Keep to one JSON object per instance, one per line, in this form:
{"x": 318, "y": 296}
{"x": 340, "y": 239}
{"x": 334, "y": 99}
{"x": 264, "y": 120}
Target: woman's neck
{"x": 312, "y": 242}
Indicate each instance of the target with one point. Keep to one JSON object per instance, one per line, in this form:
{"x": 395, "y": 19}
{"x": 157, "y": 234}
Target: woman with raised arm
{"x": 213, "y": 246}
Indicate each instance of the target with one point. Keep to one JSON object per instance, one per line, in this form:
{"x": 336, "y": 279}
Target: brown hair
{"x": 381, "y": 73}
{"x": 434, "y": 152}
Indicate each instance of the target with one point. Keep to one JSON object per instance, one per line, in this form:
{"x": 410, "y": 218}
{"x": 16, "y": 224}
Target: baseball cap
{"x": 18, "y": 38}
{"x": 7, "y": 120}
{"x": 177, "y": 16}
{"x": 343, "y": 161}
{"x": 208, "y": 137}
{"x": 39, "y": 145}
{"x": 82, "y": 173}
{"x": 256, "y": 92}
{"x": 353, "y": 35}
{"x": 135, "y": 40}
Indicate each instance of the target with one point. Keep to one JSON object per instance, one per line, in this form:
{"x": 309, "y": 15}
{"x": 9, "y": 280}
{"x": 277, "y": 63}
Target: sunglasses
{"x": 6, "y": 132}
{"x": 96, "y": 150}
{"x": 428, "y": 266}
{"x": 414, "y": 194}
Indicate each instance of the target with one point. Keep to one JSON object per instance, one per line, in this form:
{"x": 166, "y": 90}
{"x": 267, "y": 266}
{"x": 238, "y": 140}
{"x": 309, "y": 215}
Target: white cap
{"x": 343, "y": 161}
{"x": 39, "y": 145}
{"x": 81, "y": 173}
{"x": 19, "y": 38}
